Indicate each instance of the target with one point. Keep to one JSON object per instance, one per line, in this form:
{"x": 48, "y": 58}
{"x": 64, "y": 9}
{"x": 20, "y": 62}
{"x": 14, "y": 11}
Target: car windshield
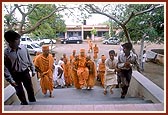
{"x": 73, "y": 38}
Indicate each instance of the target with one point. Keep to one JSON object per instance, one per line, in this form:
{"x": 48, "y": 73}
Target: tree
{"x": 93, "y": 32}
{"x": 149, "y": 23}
{"x": 121, "y": 17}
{"x": 121, "y": 21}
{"x": 48, "y": 27}
{"x": 146, "y": 27}
{"x": 25, "y": 10}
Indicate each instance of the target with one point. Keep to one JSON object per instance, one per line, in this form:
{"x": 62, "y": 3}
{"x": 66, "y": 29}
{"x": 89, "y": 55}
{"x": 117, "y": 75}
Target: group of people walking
{"x": 79, "y": 70}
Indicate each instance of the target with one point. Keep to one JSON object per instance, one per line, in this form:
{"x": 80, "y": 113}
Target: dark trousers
{"x": 124, "y": 78}
{"x": 24, "y": 77}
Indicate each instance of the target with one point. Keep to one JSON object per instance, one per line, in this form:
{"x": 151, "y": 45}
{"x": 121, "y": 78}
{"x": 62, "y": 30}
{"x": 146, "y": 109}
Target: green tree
{"x": 150, "y": 23}
{"x": 50, "y": 26}
{"x": 93, "y": 32}
{"x": 122, "y": 14}
{"x": 22, "y": 25}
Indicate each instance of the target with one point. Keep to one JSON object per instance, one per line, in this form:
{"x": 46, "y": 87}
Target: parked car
{"x": 112, "y": 41}
{"x": 70, "y": 40}
{"x": 48, "y": 41}
{"x": 27, "y": 39}
{"x": 33, "y": 48}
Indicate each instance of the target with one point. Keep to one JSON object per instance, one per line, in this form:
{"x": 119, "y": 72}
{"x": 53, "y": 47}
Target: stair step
{"x": 72, "y": 96}
{"x": 78, "y": 108}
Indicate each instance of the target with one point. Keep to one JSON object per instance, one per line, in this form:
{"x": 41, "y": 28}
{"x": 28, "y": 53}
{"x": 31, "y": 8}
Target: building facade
{"x": 84, "y": 31}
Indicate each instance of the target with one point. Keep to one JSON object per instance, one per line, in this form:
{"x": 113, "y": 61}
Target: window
{"x": 28, "y": 46}
{"x": 28, "y": 39}
{"x": 23, "y": 39}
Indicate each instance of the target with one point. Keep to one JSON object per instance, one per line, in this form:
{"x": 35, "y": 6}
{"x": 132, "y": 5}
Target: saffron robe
{"x": 92, "y": 73}
{"x": 46, "y": 67}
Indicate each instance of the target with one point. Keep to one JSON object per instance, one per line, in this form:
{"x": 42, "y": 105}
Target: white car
{"x": 112, "y": 41}
{"x": 33, "y": 48}
{"x": 27, "y": 39}
{"x": 49, "y": 41}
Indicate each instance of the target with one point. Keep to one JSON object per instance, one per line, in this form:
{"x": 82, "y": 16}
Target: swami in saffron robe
{"x": 46, "y": 67}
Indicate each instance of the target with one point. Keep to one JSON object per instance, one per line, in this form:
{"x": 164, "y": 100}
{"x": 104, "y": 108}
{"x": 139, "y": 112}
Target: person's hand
{"x": 42, "y": 74}
{"x": 127, "y": 64}
{"x": 13, "y": 83}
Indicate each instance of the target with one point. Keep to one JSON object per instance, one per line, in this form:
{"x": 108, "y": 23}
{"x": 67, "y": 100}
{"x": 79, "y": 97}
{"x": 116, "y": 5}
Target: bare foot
{"x": 105, "y": 92}
{"x": 51, "y": 96}
{"x": 111, "y": 91}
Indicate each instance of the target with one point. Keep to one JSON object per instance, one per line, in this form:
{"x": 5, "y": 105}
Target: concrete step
{"x": 113, "y": 108}
{"x": 72, "y": 96}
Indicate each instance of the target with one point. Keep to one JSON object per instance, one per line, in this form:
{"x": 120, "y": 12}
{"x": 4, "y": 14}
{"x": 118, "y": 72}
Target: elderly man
{"x": 82, "y": 71}
{"x": 44, "y": 64}
{"x": 110, "y": 74}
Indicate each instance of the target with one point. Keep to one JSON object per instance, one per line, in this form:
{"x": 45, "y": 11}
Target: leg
{"x": 20, "y": 93}
{"x": 51, "y": 96}
{"x": 105, "y": 90}
{"x": 111, "y": 88}
{"x": 28, "y": 86}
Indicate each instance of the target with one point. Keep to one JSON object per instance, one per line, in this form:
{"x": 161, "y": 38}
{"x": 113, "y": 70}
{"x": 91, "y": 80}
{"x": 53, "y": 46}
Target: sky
{"x": 94, "y": 20}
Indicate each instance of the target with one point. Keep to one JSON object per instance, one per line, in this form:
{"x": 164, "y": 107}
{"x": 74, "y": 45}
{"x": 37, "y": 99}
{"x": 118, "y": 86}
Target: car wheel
{"x": 77, "y": 42}
{"x": 106, "y": 43}
{"x": 64, "y": 42}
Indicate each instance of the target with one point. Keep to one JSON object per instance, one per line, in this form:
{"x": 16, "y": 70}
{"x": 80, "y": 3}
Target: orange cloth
{"x": 95, "y": 51}
{"x": 46, "y": 67}
{"x": 90, "y": 45}
{"x": 92, "y": 73}
{"x": 101, "y": 72}
{"x": 72, "y": 57}
{"x": 45, "y": 47}
{"x": 82, "y": 71}
{"x": 74, "y": 73}
{"x": 67, "y": 74}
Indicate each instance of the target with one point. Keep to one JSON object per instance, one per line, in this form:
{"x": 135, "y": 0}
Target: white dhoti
{"x": 110, "y": 78}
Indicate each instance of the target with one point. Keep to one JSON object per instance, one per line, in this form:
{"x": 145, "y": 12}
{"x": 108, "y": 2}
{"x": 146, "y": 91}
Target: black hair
{"x": 11, "y": 35}
{"x": 111, "y": 52}
{"x": 127, "y": 46}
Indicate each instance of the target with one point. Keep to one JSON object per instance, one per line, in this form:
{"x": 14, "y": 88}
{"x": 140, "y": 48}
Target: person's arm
{"x": 8, "y": 77}
{"x": 107, "y": 66}
{"x": 60, "y": 72}
{"x": 120, "y": 64}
